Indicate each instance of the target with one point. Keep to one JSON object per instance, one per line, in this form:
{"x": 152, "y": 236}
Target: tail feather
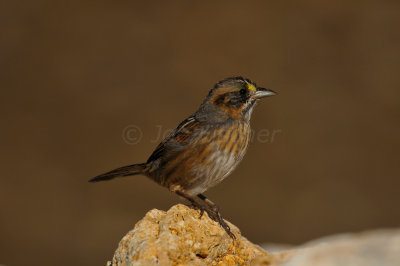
{"x": 134, "y": 169}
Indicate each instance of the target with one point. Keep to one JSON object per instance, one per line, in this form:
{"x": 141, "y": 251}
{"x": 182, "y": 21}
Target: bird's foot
{"x": 210, "y": 207}
{"x": 215, "y": 215}
{"x": 199, "y": 207}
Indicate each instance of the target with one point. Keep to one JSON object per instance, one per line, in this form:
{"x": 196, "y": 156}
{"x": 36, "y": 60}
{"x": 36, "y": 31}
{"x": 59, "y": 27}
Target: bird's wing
{"x": 177, "y": 138}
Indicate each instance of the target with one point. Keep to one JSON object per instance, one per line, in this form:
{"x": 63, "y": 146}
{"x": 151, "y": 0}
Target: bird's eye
{"x": 243, "y": 91}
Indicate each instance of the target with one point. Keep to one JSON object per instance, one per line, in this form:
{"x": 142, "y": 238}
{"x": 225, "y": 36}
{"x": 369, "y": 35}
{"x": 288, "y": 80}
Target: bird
{"x": 205, "y": 147}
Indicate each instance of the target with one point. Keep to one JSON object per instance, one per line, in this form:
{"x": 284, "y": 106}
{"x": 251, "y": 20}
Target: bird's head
{"x": 236, "y": 97}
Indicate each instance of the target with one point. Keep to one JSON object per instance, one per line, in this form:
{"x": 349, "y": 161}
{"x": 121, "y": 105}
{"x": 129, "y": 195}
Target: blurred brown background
{"x": 74, "y": 75}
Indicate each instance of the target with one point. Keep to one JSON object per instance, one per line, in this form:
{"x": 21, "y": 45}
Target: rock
{"x": 371, "y": 248}
{"x": 179, "y": 237}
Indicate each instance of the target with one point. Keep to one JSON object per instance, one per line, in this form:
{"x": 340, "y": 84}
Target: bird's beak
{"x": 261, "y": 93}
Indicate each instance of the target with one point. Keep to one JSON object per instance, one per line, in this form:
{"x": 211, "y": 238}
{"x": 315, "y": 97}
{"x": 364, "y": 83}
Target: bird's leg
{"x": 213, "y": 212}
{"x": 193, "y": 202}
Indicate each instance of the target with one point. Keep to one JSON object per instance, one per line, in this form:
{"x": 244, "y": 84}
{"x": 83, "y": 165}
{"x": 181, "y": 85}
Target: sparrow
{"x": 205, "y": 147}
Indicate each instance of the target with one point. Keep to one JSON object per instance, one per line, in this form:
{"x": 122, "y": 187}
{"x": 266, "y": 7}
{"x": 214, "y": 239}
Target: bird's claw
{"x": 214, "y": 214}
{"x": 201, "y": 213}
{"x": 199, "y": 207}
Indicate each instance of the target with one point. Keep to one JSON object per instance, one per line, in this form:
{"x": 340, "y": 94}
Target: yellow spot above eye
{"x": 251, "y": 87}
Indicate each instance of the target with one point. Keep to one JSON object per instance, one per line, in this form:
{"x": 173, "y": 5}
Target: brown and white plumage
{"x": 206, "y": 147}
{"x": 204, "y": 157}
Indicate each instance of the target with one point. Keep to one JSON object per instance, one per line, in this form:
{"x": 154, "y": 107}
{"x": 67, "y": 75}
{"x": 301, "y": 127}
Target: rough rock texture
{"x": 372, "y": 248}
{"x": 179, "y": 237}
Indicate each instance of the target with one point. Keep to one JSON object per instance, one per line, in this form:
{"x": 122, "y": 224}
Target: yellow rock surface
{"x": 180, "y": 237}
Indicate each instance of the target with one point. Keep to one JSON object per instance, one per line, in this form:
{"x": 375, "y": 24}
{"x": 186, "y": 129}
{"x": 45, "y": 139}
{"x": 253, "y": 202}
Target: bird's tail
{"x": 134, "y": 169}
